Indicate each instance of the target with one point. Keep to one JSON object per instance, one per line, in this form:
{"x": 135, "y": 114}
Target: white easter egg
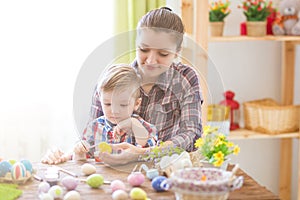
{"x": 56, "y": 191}
{"x": 72, "y": 195}
{"x": 119, "y": 195}
{"x": 88, "y": 169}
{"x": 46, "y": 196}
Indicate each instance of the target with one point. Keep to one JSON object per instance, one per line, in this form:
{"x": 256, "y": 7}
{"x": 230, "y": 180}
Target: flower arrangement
{"x": 157, "y": 152}
{"x": 214, "y": 146}
{"x": 256, "y": 10}
{"x": 218, "y": 11}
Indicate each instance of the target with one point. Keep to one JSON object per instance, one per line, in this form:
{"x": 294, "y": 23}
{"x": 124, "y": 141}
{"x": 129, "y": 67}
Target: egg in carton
{"x": 18, "y": 172}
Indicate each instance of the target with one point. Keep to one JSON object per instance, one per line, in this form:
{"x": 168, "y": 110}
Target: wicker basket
{"x": 267, "y": 116}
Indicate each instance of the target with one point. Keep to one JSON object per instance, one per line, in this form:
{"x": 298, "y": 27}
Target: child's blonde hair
{"x": 120, "y": 77}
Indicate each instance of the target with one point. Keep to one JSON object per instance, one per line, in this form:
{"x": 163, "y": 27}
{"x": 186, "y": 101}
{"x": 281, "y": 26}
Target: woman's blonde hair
{"x": 163, "y": 19}
{"x": 120, "y": 77}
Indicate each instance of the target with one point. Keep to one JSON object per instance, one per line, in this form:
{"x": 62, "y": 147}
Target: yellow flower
{"x": 221, "y": 136}
{"x": 199, "y": 143}
{"x": 230, "y": 144}
{"x": 218, "y": 142}
{"x": 219, "y": 155}
{"x": 236, "y": 150}
{"x": 218, "y": 163}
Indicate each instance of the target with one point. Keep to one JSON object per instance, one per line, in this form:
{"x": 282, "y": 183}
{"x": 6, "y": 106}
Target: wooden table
{"x": 250, "y": 189}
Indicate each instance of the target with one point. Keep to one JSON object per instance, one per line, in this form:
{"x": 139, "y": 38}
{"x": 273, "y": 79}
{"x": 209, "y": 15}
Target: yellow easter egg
{"x": 104, "y": 147}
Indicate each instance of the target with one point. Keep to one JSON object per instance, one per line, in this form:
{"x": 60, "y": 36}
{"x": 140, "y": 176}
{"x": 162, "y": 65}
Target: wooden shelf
{"x": 246, "y": 38}
{"x": 248, "y": 134}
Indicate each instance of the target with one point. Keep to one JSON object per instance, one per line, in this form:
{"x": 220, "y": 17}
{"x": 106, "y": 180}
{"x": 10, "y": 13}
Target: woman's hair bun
{"x": 166, "y": 8}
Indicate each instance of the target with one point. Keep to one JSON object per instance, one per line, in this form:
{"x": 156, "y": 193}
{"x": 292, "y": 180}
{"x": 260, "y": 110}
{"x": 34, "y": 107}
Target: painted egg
{"x": 156, "y": 183}
{"x": 119, "y": 195}
{"x": 46, "y": 196}
{"x": 69, "y": 182}
{"x": 117, "y": 185}
{"x": 88, "y": 169}
{"x": 44, "y": 187}
{"x": 72, "y": 195}
{"x": 5, "y": 167}
{"x": 104, "y": 147}
{"x": 27, "y": 165}
{"x": 136, "y": 178}
{"x": 95, "y": 180}
{"x": 137, "y": 193}
{"x": 18, "y": 171}
{"x": 56, "y": 192}
{"x": 12, "y": 161}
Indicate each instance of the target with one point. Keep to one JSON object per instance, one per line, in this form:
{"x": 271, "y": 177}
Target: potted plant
{"x": 256, "y": 12}
{"x": 213, "y": 148}
{"x": 217, "y": 13}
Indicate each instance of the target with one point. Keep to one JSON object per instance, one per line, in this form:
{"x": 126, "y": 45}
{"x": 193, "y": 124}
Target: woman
{"x": 171, "y": 96}
{"x": 170, "y": 92}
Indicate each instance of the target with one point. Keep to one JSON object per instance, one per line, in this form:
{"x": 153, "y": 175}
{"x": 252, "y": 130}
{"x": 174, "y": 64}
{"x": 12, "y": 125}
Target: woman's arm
{"x": 96, "y": 109}
{"x": 190, "y": 120}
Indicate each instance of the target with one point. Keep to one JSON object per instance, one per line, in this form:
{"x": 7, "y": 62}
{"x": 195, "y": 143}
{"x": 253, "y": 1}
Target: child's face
{"x": 155, "y": 52}
{"x": 118, "y": 105}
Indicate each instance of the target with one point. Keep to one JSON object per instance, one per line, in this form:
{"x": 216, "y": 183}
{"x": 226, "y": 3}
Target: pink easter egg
{"x": 18, "y": 171}
{"x": 136, "y": 179}
{"x": 117, "y": 185}
{"x": 69, "y": 182}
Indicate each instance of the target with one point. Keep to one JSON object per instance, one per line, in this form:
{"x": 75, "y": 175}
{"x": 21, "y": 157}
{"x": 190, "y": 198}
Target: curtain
{"x": 127, "y": 13}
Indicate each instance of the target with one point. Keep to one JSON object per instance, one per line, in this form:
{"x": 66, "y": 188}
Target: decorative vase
{"x": 256, "y": 29}
{"x": 216, "y": 28}
{"x": 207, "y": 164}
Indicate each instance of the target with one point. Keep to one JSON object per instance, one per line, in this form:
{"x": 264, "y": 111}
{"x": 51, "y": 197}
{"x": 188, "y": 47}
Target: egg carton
{"x": 22, "y": 180}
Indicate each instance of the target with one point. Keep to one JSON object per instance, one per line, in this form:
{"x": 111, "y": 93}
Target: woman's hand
{"x": 126, "y": 153}
{"x": 55, "y": 156}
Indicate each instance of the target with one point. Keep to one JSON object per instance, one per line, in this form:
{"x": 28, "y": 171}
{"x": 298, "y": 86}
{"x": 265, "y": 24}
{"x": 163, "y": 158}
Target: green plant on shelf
{"x": 218, "y": 11}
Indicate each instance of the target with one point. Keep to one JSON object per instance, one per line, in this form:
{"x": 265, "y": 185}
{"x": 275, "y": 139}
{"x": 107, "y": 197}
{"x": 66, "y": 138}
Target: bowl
{"x": 202, "y": 183}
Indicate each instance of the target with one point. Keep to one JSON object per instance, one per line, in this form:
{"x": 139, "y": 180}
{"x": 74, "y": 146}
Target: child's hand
{"x": 81, "y": 147}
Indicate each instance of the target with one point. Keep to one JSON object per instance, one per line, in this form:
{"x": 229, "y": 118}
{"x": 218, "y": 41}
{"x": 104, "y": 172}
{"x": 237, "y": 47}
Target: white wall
{"x": 252, "y": 70}
{"x": 43, "y": 46}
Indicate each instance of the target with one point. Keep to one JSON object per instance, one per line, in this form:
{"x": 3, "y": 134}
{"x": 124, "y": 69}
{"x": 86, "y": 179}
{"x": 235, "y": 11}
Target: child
{"x": 119, "y": 91}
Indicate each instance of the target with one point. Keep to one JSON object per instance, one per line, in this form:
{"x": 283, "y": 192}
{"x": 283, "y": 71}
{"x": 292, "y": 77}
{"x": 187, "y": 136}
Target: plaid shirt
{"x": 173, "y": 105}
{"x": 101, "y": 129}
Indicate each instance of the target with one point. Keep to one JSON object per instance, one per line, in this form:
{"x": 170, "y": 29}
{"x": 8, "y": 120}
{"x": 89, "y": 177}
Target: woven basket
{"x": 267, "y": 116}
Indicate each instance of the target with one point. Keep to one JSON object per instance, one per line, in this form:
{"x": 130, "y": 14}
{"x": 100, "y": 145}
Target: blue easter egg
{"x": 27, "y": 165}
{"x": 156, "y": 183}
{"x": 5, "y": 167}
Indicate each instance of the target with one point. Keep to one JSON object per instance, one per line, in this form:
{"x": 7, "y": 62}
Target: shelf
{"x": 246, "y": 38}
{"x": 248, "y": 134}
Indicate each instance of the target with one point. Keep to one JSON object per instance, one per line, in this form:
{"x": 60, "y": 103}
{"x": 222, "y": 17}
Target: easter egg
{"x": 119, "y": 195}
{"x": 104, "y": 147}
{"x": 137, "y": 193}
{"x": 95, "y": 180}
{"x": 12, "y": 161}
{"x": 156, "y": 183}
{"x": 56, "y": 191}
{"x": 18, "y": 171}
{"x": 27, "y": 165}
{"x": 44, "y": 187}
{"x": 72, "y": 195}
{"x": 69, "y": 182}
{"x": 136, "y": 178}
{"x": 117, "y": 185}
{"x": 46, "y": 196}
{"x": 5, "y": 167}
{"x": 88, "y": 169}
